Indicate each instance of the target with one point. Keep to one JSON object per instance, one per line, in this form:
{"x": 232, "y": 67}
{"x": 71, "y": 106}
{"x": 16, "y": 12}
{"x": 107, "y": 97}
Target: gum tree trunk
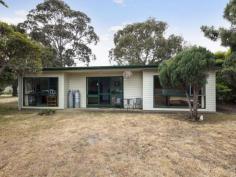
{"x": 189, "y": 105}
{"x": 195, "y": 104}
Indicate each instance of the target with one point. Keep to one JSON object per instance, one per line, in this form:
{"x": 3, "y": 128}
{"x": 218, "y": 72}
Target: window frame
{"x": 110, "y": 93}
{"x": 178, "y": 107}
{"x": 35, "y": 80}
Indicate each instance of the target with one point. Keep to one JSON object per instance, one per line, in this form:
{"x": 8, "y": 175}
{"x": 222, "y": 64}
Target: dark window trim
{"x": 98, "y": 105}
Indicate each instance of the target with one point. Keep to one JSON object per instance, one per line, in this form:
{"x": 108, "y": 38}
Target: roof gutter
{"x": 100, "y": 68}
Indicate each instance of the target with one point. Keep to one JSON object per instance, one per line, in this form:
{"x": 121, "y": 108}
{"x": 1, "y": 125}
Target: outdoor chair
{"x": 138, "y": 104}
{"x": 129, "y": 103}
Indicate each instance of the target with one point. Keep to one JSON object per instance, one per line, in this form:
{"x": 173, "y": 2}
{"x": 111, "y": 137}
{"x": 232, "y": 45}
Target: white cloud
{"x": 118, "y": 1}
{"x": 17, "y": 17}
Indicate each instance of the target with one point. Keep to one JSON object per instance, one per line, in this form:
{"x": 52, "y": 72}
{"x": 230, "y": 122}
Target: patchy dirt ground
{"x": 98, "y": 144}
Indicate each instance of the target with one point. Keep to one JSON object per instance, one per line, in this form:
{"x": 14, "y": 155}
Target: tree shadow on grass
{"x": 209, "y": 118}
{"x": 8, "y": 107}
{"x": 9, "y": 111}
{"x": 218, "y": 118}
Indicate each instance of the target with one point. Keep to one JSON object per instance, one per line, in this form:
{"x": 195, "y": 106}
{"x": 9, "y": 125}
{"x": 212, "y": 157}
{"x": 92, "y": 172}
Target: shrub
{"x": 47, "y": 112}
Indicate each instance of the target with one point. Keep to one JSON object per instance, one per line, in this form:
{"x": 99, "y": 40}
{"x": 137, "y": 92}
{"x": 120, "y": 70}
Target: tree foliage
{"x": 188, "y": 68}
{"x": 6, "y": 79}
{"x": 227, "y": 69}
{"x": 144, "y": 43}
{"x": 220, "y": 57}
{"x": 225, "y": 91}
{"x": 3, "y": 3}
{"x": 18, "y": 53}
{"x": 67, "y": 32}
{"x": 227, "y": 36}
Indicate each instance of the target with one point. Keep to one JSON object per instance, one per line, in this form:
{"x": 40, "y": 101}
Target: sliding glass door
{"x": 92, "y": 91}
{"x": 104, "y": 91}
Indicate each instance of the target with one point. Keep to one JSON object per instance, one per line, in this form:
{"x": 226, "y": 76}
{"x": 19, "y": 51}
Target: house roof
{"x": 100, "y": 68}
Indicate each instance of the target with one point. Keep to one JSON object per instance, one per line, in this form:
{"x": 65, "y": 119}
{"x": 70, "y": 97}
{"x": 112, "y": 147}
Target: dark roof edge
{"x": 100, "y": 67}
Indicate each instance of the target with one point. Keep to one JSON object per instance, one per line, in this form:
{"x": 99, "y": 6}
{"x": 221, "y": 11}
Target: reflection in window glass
{"x": 105, "y": 91}
{"x": 117, "y": 91}
{"x": 93, "y": 100}
{"x": 173, "y": 97}
{"x": 116, "y": 85}
{"x": 93, "y": 86}
{"x": 41, "y": 92}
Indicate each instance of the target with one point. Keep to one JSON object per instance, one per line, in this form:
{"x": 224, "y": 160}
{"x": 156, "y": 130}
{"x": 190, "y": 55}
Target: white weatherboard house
{"x": 108, "y": 87}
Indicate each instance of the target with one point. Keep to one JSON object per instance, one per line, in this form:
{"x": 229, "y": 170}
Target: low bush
{"x": 47, "y": 112}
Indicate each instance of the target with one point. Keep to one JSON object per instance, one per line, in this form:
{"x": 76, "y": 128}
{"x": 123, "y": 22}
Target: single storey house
{"x": 134, "y": 87}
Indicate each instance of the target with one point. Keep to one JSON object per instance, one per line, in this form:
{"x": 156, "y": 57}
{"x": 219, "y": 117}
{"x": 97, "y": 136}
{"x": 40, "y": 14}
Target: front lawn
{"x": 82, "y": 143}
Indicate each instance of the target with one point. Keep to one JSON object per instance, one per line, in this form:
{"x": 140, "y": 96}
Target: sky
{"x": 184, "y": 17}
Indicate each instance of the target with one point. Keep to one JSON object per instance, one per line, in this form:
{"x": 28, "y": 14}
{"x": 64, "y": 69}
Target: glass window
{"x": 173, "y": 97}
{"x": 117, "y": 85}
{"x": 117, "y": 91}
{"x": 105, "y": 91}
{"x": 104, "y": 85}
{"x": 93, "y": 84}
{"x": 41, "y": 92}
{"x": 93, "y": 100}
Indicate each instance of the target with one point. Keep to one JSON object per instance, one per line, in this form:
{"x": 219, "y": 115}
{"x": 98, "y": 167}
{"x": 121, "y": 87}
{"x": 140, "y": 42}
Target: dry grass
{"x": 80, "y": 143}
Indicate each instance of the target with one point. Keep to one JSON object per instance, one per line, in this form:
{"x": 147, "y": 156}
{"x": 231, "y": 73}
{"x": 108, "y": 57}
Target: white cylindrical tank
{"x": 70, "y": 99}
{"x": 76, "y": 99}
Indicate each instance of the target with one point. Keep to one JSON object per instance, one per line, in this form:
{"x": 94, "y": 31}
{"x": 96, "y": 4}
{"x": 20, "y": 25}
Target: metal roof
{"x": 100, "y": 68}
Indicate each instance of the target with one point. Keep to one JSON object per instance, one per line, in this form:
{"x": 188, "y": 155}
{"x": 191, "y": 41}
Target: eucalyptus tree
{"x": 3, "y": 3}
{"x": 18, "y": 53}
{"x": 67, "y": 32}
{"x": 144, "y": 43}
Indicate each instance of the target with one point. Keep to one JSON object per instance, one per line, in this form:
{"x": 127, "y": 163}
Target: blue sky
{"x": 184, "y": 17}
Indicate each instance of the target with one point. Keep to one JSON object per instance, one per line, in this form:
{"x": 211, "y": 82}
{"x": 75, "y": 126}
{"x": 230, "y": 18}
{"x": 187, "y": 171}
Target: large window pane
{"x": 93, "y": 86}
{"x": 41, "y": 92}
{"x": 29, "y": 92}
{"x": 105, "y": 99}
{"x": 173, "y": 97}
{"x": 116, "y": 100}
{"x": 116, "y": 85}
{"x": 104, "y": 85}
{"x": 160, "y": 100}
{"x": 92, "y": 100}
{"x": 117, "y": 92}
{"x": 176, "y": 101}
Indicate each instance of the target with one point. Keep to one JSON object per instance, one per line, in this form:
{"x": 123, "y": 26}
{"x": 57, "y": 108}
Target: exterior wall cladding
{"x": 139, "y": 85}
